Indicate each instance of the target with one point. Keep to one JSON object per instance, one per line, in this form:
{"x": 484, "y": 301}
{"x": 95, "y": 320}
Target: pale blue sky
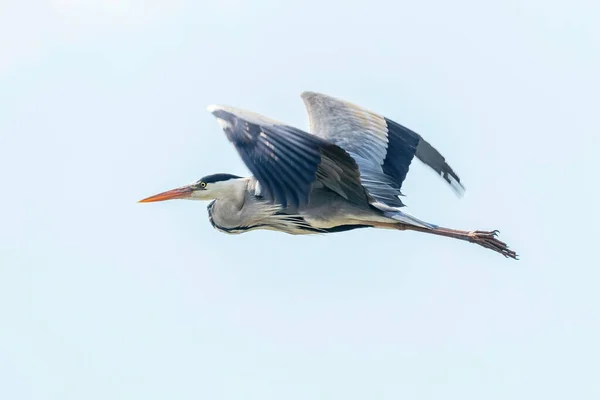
{"x": 103, "y": 103}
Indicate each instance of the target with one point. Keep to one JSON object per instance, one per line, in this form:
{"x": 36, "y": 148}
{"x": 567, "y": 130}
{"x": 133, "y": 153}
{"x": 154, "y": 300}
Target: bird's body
{"x": 325, "y": 212}
{"x": 346, "y": 174}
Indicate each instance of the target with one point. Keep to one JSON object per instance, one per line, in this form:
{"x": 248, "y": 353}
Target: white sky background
{"x": 103, "y": 103}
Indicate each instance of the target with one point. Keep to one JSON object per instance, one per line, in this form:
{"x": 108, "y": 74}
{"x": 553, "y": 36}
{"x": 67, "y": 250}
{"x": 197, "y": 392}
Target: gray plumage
{"x": 347, "y": 173}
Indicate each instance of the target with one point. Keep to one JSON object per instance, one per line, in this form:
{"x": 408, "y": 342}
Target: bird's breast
{"x": 226, "y": 220}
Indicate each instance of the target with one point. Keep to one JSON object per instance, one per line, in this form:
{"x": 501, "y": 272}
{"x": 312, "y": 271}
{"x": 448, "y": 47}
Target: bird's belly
{"x": 340, "y": 215}
{"x": 325, "y": 224}
{"x": 337, "y": 213}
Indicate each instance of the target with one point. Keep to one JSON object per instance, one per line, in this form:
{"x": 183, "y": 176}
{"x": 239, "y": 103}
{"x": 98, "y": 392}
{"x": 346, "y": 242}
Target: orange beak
{"x": 179, "y": 193}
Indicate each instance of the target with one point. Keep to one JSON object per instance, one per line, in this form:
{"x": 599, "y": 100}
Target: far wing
{"x": 288, "y": 161}
{"x": 383, "y": 148}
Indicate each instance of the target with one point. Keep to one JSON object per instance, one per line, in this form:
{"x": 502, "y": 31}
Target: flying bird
{"x": 347, "y": 173}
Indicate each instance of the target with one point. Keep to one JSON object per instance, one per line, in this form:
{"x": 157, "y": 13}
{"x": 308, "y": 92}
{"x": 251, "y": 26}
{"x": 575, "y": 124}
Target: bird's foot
{"x": 488, "y": 239}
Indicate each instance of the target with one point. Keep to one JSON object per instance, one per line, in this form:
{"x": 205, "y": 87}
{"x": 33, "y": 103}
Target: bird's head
{"x": 209, "y": 187}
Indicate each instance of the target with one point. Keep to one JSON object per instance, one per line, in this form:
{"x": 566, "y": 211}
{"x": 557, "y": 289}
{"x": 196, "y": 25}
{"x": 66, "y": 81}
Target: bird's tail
{"x": 405, "y": 218}
{"x": 408, "y": 219}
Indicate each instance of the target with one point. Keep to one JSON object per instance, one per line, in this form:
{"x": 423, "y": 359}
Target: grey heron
{"x": 347, "y": 173}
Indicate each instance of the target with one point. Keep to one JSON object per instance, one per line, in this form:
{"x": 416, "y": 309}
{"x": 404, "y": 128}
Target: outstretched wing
{"x": 382, "y": 148}
{"x": 287, "y": 161}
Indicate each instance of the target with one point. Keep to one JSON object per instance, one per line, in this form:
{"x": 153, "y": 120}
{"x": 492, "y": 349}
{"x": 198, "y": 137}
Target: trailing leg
{"x": 483, "y": 238}
{"x": 487, "y": 239}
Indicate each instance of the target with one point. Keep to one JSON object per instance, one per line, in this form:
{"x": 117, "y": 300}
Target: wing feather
{"x": 287, "y": 161}
{"x": 382, "y": 148}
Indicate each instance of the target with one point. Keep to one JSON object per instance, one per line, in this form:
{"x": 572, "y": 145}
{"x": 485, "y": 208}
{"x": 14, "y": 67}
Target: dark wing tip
{"x": 454, "y": 181}
{"x": 427, "y": 154}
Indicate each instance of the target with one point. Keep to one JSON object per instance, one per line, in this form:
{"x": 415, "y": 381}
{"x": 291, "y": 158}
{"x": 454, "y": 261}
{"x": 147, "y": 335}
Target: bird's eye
{"x": 202, "y": 185}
